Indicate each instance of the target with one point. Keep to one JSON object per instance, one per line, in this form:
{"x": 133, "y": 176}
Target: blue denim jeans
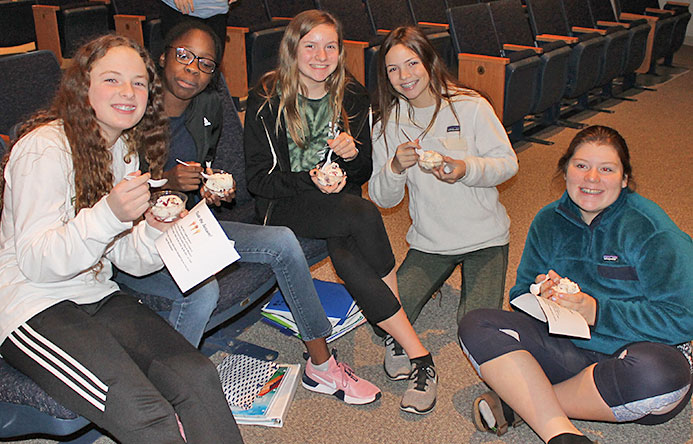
{"x": 274, "y": 246}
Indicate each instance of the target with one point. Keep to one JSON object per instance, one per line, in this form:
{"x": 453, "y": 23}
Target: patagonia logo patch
{"x": 610, "y": 258}
{"x": 454, "y": 129}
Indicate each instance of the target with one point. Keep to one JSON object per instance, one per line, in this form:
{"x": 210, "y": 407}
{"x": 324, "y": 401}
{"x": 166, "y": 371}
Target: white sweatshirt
{"x": 46, "y": 252}
{"x": 448, "y": 218}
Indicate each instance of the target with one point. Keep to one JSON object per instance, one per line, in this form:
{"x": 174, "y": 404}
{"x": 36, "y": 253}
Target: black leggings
{"x": 121, "y": 366}
{"x": 356, "y": 240}
{"x": 634, "y": 381}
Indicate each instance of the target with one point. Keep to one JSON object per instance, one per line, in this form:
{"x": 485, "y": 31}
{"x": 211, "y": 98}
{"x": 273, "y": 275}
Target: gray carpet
{"x": 657, "y": 128}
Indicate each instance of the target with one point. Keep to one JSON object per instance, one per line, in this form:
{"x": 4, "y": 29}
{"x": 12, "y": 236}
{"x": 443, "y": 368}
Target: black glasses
{"x": 186, "y": 57}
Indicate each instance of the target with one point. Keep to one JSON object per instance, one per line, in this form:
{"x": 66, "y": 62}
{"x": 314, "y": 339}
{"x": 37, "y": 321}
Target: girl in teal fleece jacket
{"x": 633, "y": 266}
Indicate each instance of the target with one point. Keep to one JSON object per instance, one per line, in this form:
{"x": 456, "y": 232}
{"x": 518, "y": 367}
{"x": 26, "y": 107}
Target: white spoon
{"x": 328, "y": 161}
{"x": 206, "y": 176}
{"x": 535, "y": 289}
{"x": 418, "y": 151}
{"x": 154, "y": 183}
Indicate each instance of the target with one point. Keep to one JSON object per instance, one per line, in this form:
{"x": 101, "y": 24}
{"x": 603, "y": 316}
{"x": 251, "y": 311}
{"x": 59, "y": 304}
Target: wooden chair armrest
{"x": 684, "y": 4}
{"x": 659, "y": 11}
{"x": 19, "y": 49}
{"x": 130, "y": 26}
{"x": 611, "y": 24}
{"x": 282, "y": 19}
{"x": 463, "y": 56}
{"x": 512, "y": 47}
{"x": 46, "y": 26}
{"x": 630, "y": 16}
{"x": 556, "y": 38}
{"x": 383, "y": 31}
{"x": 588, "y": 30}
{"x": 442, "y": 26}
{"x": 6, "y": 138}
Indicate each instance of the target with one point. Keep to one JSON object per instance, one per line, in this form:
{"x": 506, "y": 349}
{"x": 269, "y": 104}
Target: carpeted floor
{"x": 657, "y": 128}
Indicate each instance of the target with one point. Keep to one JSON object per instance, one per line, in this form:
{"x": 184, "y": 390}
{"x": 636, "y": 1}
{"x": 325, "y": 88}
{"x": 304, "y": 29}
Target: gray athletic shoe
{"x": 396, "y": 364}
{"x": 420, "y": 397}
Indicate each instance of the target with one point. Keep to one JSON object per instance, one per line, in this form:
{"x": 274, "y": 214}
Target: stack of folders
{"x": 271, "y": 404}
{"x": 341, "y": 310}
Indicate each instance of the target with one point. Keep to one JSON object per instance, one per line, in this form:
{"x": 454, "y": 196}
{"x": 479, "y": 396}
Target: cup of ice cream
{"x": 430, "y": 160}
{"x": 330, "y": 175}
{"x": 167, "y": 205}
{"x": 219, "y": 182}
{"x": 566, "y": 286}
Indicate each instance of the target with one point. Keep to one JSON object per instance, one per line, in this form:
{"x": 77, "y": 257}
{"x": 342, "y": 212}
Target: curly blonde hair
{"x": 285, "y": 80}
{"x": 91, "y": 157}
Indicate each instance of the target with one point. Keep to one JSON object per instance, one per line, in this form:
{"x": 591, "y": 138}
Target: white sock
{"x": 487, "y": 414}
{"x": 321, "y": 367}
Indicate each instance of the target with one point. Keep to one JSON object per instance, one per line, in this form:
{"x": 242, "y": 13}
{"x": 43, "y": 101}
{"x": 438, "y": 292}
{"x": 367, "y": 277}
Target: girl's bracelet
{"x": 353, "y": 157}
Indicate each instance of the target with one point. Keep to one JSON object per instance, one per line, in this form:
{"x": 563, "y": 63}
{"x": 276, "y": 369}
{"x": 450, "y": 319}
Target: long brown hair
{"x": 91, "y": 157}
{"x": 443, "y": 86}
{"x": 285, "y": 80}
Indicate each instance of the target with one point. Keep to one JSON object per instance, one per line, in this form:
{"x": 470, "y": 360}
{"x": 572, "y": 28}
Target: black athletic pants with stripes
{"x": 120, "y": 365}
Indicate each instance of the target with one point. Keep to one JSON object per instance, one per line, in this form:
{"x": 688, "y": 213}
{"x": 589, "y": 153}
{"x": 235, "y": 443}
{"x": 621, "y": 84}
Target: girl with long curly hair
{"x": 74, "y": 203}
{"x": 309, "y": 111}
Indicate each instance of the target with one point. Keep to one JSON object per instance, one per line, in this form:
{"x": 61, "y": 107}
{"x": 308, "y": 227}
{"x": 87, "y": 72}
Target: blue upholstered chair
{"x": 29, "y": 82}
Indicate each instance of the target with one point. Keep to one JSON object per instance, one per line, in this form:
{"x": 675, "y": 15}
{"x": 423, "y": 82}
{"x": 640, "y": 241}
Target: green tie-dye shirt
{"x": 318, "y": 119}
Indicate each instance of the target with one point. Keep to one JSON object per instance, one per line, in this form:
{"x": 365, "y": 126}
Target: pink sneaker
{"x": 339, "y": 380}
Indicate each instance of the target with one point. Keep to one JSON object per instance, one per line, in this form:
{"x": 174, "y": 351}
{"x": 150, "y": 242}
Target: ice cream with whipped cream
{"x": 219, "y": 183}
{"x": 330, "y": 175}
{"x": 430, "y": 160}
{"x": 167, "y": 206}
{"x": 566, "y": 286}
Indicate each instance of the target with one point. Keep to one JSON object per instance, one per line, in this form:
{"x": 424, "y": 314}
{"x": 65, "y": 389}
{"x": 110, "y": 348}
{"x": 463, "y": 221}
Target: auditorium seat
{"x": 638, "y": 40}
{"x": 548, "y": 22}
{"x": 661, "y": 32}
{"x": 17, "y": 32}
{"x": 361, "y": 39}
{"x": 512, "y": 30}
{"x": 616, "y": 37}
{"x": 63, "y": 27}
{"x": 140, "y": 21}
{"x": 252, "y": 44}
{"x": 507, "y": 78}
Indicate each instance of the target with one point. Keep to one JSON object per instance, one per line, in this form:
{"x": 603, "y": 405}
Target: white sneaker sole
{"x": 412, "y": 409}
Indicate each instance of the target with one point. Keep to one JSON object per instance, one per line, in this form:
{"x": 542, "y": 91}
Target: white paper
{"x": 195, "y": 247}
{"x": 561, "y": 320}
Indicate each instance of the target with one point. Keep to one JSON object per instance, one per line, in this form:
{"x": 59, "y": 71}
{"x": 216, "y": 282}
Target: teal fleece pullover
{"x": 632, "y": 259}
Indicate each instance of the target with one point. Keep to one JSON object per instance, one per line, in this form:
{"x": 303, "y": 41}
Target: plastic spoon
{"x": 447, "y": 169}
{"x": 328, "y": 160}
{"x": 154, "y": 183}
{"x": 535, "y": 289}
{"x": 206, "y": 176}
{"x": 418, "y": 151}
